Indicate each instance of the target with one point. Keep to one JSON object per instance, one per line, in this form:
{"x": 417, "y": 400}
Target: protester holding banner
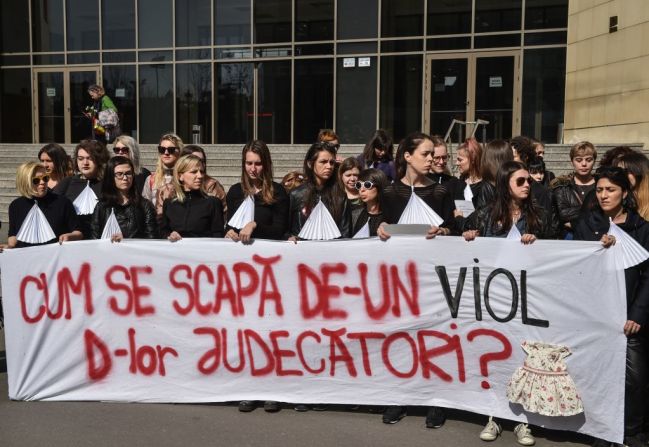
{"x": 36, "y": 201}
{"x": 84, "y": 188}
{"x": 513, "y": 207}
{"x": 267, "y": 199}
{"x": 378, "y": 154}
{"x": 211, "y": 185}
{"x": 414, "y": 160}
{"x": 126, "y": 146}
{"x": 347, "y": 176}
{"x": 371, "y": 184}
{"x": 616, "y": 204}
{"x": 159, "y": 186}
{"x": 136, "y": 216}
{"x": 320, "y": 186}
{"x": 57, "y": 162}
{"x": 190, "y": 212}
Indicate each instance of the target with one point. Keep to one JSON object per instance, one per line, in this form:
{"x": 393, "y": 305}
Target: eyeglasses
{"x": 520, "y": 181}
{"x": 120, "y": 150}
{"x": 366, "y": 184}
{"x": 168, "y": 150}
{"x": 121, "y": 175}
{"x": 43, "y": 178}
{"x": 442, "y": 158}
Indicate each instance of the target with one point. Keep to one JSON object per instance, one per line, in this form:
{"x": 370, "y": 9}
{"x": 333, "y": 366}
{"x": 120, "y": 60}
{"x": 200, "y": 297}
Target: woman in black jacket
{"x": 615, "y": 202}
{"x": 136, "y": 217}
{"x": 271, "y": 201}
{"x": 191, "y": 212}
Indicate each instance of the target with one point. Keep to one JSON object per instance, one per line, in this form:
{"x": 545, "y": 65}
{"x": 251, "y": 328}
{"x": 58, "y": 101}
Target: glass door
{"x": 495, "y": 93}
{"x": 448, "y": 93}
{"x": 61, "y": 96}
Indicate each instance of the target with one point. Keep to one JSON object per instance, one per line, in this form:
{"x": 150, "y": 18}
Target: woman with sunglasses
{"x": 414, "y": 160}
{"x": 615, "y": 202}
{"x": 127, "y": 147}
{"x": 136, "y": 217}
{"x": 31, "y": 183}
{"x": 190, "y": 212}
{"x": 211, "y": 185}
{"x": 159, "y": 185}
{"x": 347, "y": 176}
{"x": 320, "y": 185}
{"x": 370, "y": 185}
{"x": 271, "y": 201}
{"x": 90, "y": 158}
{"x": 57, "y": 162}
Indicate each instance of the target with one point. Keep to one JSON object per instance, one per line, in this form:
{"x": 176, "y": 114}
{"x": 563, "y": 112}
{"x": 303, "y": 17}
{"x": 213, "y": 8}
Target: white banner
{"x": 406, "y": 322}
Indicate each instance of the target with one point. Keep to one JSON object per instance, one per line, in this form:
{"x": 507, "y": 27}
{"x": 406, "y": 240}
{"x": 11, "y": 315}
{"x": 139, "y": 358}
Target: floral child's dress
{"x": 542, "y": 385}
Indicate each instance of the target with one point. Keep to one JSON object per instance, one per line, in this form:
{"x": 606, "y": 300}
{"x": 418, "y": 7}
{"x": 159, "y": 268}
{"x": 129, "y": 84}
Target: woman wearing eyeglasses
{"x": 158, "y": 186}
{"x": 127, "y": 147}
{"x": 320, "y": 185}
{"x": 90, "y": 158}
{"x": 136, "y": 216}
{"x": 31, "y": 183}
{"x": 190, "y": 212}
{"x": 370, "y": 185}
{"x": 57, "y": 162}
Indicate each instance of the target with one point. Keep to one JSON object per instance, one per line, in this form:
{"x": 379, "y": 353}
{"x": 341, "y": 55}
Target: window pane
{"x": 448, "y": 97}
{"x": 449, "y": 17}
{"x": 356, "y": 102}
{"x": 194, "y": 100}
{"x": 118, "y": 24}
{"x": 546, "y": 14}
{"x": 51, "y": 107}
{"x": 156, "y": 101}
{"x": 47, "y": 25}
{"x": 16, "y": 101}
{"x": 119, "y": 82}
{"x": 272, "y": 21}
{"x": 155, "y": 26}
{"x": 357, "y": 19}
{"x": 494, "y": 97}
{"x": 314, "y": 20}
{"x": 274, "y": 102}
{"x": 14, "y": 21}
{"x": 544, "y": 75}
{"x": 193, "y": 24}
{"x": 402, "y": 18}
{"x": 314, "y": 98}
{"x": 79, "y": 100}
{"x": 82, "y": 24}
{"x": 234, "y": 103}
{"x": 497, "y": 15}
{"x": 401, "y": 95}
{"x": 232, "y": 22}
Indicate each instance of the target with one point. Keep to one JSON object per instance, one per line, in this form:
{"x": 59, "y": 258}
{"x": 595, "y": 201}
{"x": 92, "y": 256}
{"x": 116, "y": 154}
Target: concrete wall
{"x": 607, "y": 79}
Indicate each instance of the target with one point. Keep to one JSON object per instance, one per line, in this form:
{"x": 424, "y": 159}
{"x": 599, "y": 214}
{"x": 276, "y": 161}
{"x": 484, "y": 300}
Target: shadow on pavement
{"x": 3, "y": 362}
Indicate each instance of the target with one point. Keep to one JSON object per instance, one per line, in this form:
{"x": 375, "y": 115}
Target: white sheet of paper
{"x": 466, "y": 206}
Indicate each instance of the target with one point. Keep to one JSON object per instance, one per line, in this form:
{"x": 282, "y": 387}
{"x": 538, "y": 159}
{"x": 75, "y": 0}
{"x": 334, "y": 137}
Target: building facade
{"x": 280, "y": 70}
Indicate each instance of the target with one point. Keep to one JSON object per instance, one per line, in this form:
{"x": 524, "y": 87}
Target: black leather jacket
{"x": 481, "y": 220}
{"x": 566, "y": 199}
{"x": 135, "y": 221}
{"x": 297, "y": 218}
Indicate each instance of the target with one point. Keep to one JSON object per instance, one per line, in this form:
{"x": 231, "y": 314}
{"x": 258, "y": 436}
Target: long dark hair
{"x": 495, "y": 154}
{"x": 109, "y": 192}
{"x": 409, "y": 144}
{"x": 96, "y": 151}
{"x": 501, "y": 213}
{"x": 378, "y": 178}
{"x": 260, "y": 148}
{"x": 332, "y": 196}
{"x": 380, "y": 140}
{"x": 619, "y": 177}
{"x": 60, "y": 158}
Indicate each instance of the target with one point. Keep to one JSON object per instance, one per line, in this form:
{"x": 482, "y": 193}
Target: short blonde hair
{"x": 184, "y": 164}
{"x": 24, "y": 176}
{"x": 583, "y": 149}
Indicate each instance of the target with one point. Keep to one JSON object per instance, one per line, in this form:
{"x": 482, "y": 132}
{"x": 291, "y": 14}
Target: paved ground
{"x": 70, "y": 424}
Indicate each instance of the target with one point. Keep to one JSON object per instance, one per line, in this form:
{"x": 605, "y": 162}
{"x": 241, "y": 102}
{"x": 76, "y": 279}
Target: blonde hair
{"x": 184, "y": 164}
{"x": 133, "y": 148}
{"x": 642, "y": 197}
{"x": 24, "y": 175}
{"x": 159, "y": 175}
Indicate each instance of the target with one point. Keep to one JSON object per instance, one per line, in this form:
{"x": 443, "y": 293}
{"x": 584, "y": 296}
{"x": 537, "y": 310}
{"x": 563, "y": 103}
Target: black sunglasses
{"x": 366, "y": 184}
{"x": 121, "y": 150}
{"x": 37, "y": 180}
{"x": 520, "y": 181}
{"x": 167, "y": 150}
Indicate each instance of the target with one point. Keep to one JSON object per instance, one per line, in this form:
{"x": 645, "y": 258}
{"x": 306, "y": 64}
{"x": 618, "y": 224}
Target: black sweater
{"x": 297, "y": 216}
{"x": 58, "y": 211}
{"x": 271, "y": 219}
{"x": 591, "y": 226}
{"x": 71, "y": 187}
{"x": 197, "y": 216}
{"x": 135, "y": 221}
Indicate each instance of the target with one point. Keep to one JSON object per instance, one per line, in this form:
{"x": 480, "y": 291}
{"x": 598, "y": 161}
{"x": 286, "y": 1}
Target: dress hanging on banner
{"x": 35, "y": 228}
{"x": 320, "y": 226}
{"x": 112, "y": 226}
{"x": 364, "y": 232}
{"x": 418, "y": 212}
{"x": 628, "y": 252}
{"x": 85, "y": 202}
{"x": 244, "y": 215}
{"x": 468, "y": 194}
{"x": 514, "y": 233}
